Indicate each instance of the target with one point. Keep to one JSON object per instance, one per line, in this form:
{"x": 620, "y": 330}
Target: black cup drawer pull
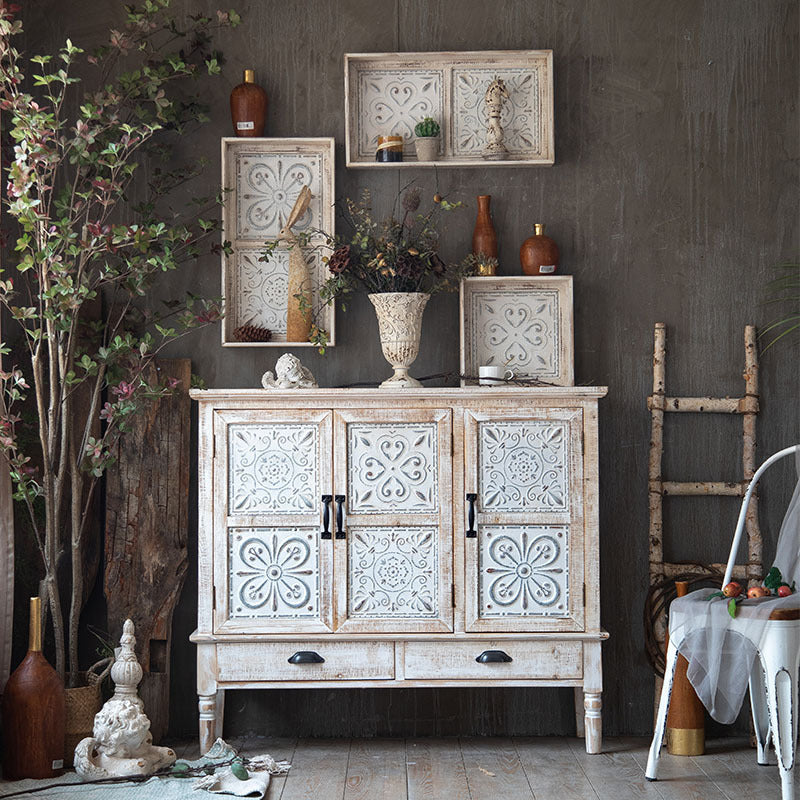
{"x": 326, "y": 516}
{"x": 306, "y": 657}
{"x": 493, "y": 657}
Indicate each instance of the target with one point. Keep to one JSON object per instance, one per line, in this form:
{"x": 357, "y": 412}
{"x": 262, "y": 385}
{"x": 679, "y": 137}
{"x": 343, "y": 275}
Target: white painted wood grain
{"x": 344, "y": 661}
{"x": 531, "y": 660}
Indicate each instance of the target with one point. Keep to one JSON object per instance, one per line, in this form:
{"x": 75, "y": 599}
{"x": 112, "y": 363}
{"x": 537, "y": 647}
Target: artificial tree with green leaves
{"x": 77, "y": 150}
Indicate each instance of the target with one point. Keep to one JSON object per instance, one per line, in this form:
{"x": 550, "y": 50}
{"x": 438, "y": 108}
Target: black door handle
{"x": 340, "y": 534}
{"x": 471, "y": 532}
{"x": 326, "y": 516}
{"x": 306, "y": 657}
{"x": 493, "y": 657}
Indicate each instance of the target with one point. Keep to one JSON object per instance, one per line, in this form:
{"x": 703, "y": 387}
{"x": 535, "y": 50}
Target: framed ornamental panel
{"x": 524, "y": 520}
{"x": 261, "y": 181}
{"x": 522, "y": 323}
{"x": 273, "y": 560}
{"x": 389, "y": 93}
{"x": 394, "y": 520}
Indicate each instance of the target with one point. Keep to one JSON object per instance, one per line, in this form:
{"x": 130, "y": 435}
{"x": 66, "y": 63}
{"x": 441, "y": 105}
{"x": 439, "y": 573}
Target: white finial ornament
{"x": 122, "y": 743}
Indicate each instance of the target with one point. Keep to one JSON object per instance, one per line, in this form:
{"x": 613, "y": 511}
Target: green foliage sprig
{"x": 81, "y": 241}
{"x": 784, "y": 291}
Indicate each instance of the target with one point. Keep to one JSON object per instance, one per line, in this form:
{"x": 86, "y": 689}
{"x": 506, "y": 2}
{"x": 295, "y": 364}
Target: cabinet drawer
{"x": 269, "y": 661}
{"x": 529, "y": 660}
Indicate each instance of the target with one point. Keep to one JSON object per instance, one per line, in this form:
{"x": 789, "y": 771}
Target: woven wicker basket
{"x": 82, "y": 703}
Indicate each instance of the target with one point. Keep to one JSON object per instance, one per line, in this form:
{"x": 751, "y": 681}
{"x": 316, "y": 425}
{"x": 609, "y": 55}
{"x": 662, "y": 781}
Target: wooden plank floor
{"x": 504, "y": 769}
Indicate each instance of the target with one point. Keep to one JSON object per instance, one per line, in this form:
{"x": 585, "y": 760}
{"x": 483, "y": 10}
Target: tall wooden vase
{"x": 33, "y": 712}
{"x": 248, "y": 107}
{"x": 686, "y": 719}
{"x": 484, "y": 237}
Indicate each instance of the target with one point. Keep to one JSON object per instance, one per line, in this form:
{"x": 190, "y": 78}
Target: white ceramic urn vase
{"x": 400, "y": 325}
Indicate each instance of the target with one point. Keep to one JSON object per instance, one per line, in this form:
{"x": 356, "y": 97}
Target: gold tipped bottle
{"x": 33, "y": 712}
{"x": 248, "y": 107}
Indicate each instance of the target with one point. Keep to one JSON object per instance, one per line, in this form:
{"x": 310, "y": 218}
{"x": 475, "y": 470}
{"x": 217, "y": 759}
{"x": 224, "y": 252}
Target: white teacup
{"x": 494, "y": 376}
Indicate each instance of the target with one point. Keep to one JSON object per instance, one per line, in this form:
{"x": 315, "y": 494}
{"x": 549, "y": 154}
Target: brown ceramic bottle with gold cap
{"x": 539, "y": 253}
{"x": 248, "y": 107}
{"x": 33, "y": 712}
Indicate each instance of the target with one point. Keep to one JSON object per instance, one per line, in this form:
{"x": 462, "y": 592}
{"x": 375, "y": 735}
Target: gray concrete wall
{"x": 675, "y": 190}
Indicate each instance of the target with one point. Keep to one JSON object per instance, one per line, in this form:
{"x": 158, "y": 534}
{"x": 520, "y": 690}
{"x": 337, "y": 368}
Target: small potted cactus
{"x": 427, "y": 141}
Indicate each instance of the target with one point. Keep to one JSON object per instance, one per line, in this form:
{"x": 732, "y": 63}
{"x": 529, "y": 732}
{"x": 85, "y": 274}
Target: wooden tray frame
{"x": 558, "y": 287}
{"x": 539, "y": 63}
{"x": 322, "y": 218}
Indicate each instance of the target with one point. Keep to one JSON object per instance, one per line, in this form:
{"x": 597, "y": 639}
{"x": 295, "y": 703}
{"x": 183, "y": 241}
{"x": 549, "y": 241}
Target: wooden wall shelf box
{"x": 388, "y": 93}
{"x": 261, "y": 179}
{"x": 414, "y": 538}
{"x": 521, "y": 322}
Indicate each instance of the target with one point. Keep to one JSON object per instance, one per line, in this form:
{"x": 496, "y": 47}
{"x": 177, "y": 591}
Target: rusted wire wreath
{"x": 657, "y": 601}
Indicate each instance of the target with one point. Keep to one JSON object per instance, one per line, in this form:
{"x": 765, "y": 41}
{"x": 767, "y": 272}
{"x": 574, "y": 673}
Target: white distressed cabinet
{"x": 422, "y": 537}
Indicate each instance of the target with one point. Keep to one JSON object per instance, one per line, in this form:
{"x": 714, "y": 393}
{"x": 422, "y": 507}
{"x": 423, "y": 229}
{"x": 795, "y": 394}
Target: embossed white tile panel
{"x": 523, "y": 466}
{"x": 520, "y": 116}
{"x": 393, "y": 572}
{"x": 393, "y": 103}
{"x": 524, "y": 323}
{"x": 272, "y": 468}
{"x": 523, "y": 570}
{"x": 392, "y": 468}
{"x": 274, "y": 573}
{"x": 261, "y": 289}
{"x": 520, "y": 330}
{"x": 267, "y": 186}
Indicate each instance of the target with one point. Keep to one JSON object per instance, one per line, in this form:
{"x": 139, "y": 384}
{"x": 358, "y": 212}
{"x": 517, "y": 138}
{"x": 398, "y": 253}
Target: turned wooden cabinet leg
{"x": 207, "y": 705}
{"x": 593, "y": 721}
{"x": 592, "y": 696}
{"x": 579, "y": 712}
{"x": 211, "y": 699}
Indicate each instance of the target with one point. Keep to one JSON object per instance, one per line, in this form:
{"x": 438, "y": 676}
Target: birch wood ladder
{"x": 659, "y": 403}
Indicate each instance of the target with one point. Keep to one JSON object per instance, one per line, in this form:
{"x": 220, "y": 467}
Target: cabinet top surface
{"x": 393, "y": 395}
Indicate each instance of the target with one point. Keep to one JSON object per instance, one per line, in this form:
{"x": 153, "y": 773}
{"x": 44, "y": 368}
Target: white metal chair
{"x": 774, "y": 678}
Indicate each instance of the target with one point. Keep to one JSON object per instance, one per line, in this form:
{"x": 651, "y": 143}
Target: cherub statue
{"x": 494, "y": 97}
{"x": 122, "y": 743}
{"x": 289, "y": 374}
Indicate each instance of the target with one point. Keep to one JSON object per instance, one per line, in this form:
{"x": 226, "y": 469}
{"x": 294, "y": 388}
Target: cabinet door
{"x": 272, "y": 570}
{"x": 524, "y": 565}
{"x": 392, "y": 470}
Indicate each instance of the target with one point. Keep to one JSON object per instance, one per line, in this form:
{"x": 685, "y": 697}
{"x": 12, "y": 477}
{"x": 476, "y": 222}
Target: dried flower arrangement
{"x": 393, "y": 255}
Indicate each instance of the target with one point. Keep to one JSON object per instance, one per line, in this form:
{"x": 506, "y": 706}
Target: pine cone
{"x": 252, "y": 333}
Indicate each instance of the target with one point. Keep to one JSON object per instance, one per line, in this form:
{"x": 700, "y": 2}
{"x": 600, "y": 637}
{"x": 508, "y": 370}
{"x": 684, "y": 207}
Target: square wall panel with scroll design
{"x": 523, "y": 323}
{"x": 261, "y": 180}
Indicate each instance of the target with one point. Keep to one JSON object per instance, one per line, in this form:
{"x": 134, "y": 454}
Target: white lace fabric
{"x": 721, "y": 650}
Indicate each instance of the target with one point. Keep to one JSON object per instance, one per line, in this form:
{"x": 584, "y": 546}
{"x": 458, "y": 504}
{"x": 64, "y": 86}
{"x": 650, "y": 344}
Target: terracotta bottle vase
{"x": 686, "y": 719}
{"x": 539, "y": 253}
{"x": 248, "y": 107}
{"x": 33, "y": 712}
{"x": 484, "y": 237}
